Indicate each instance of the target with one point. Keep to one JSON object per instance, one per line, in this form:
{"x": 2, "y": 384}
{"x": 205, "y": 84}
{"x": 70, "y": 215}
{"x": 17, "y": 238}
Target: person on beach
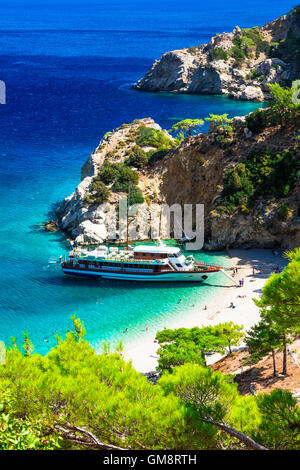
{"x": 205, "y": 308}
{"x": 231, "y": 305}
{"x": 146, "y": 327}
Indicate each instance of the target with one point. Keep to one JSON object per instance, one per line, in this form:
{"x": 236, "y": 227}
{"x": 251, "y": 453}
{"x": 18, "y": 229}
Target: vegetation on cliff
{"x": 240, "y": 64}
{"x": 121, "y": 177}
{"x": 264, "y": 174}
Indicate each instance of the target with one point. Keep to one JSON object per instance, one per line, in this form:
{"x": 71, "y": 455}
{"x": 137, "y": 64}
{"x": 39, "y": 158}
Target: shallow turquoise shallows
{"x": 68, "y": 72}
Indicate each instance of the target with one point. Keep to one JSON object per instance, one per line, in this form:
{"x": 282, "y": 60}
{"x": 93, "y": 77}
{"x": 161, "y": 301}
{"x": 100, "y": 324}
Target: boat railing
{"x": 215, "y": 265}
{"x": 120, "y": 259}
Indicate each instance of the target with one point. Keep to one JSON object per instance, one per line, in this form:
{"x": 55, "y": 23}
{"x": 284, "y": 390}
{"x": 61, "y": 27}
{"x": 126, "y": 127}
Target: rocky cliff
{"x": 91, "y": 223}
{"x": 240, "y": 64}
{"x": 198, "y": 171}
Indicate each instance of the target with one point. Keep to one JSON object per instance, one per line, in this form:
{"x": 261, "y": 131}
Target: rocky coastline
{"x": 240, "y": 64}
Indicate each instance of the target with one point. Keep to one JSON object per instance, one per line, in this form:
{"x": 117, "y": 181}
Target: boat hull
{"x": 161, "y": 277}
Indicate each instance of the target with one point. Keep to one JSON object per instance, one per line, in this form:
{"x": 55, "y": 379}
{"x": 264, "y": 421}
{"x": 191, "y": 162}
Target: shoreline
{"x": 143, "y": 352}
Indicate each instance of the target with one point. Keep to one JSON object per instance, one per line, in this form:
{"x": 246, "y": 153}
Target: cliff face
{"x": 240, "y": 64}
{"x": 96, "y": 223}
{"x": 194, "y": 173}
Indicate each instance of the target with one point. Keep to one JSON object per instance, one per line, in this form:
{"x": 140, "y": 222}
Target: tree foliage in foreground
{"x": 280, "y": 303}
{"x": 255, "y": 422}
{"x": 183, "y": 345}
{"x": 73, "y": 389}
{"x": 73, "y": 397}
{"x": 18, "y": 433}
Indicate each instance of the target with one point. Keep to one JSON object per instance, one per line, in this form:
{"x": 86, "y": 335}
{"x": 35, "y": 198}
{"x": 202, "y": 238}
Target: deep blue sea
{"x": 68, "y": 67}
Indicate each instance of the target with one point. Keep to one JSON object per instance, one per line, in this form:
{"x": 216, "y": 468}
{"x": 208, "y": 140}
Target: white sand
{"x": 143, "y": 352}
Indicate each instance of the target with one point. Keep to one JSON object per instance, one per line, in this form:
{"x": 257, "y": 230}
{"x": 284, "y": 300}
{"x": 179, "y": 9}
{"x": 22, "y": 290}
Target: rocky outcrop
{"x": 91, "y": 223}
{"x": 240, "y": 64}
{"x": 114, "y": 145}
{"x": 192, "y": 173}
{"x": 51, "y": 226}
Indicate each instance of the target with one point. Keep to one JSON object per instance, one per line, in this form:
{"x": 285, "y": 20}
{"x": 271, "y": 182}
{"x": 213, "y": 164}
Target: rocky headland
{"x": 246, "y": 174}
{"x": 240, "y": 64}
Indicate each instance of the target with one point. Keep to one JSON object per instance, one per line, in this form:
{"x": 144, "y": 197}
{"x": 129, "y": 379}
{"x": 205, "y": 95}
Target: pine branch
{"x": 87, "y": 438}
{"x": 234, "y": 433}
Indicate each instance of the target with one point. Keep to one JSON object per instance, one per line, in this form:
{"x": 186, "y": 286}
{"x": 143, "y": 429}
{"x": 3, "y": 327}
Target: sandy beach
{"x": 143, "y": 353}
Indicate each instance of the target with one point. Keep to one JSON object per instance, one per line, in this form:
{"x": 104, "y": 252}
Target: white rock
{"x": 251, "y": 93}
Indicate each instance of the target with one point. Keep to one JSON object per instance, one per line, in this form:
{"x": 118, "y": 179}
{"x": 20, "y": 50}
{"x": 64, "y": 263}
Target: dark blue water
{"x": 68, "y": 69}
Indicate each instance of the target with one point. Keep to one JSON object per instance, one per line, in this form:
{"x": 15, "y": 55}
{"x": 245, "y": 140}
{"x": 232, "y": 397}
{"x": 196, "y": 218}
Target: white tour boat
{"x": 141, "y": 263}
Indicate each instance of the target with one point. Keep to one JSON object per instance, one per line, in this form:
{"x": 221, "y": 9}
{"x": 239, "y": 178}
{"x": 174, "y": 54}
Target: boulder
{"x": 252, "y": 93}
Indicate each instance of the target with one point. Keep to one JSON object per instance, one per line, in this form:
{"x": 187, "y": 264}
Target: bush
{"x": 257, "y": 121}
{"x": 155, "y": 156}
{"x": 262, "y": 175}
{"x": 126, "y": 177}
{"x": 108, "y": 172}
{"x": 287, "y": 49}
{"x": 237, "y": 54}
{"x": 223, "y": 141}
{"x": 218, "y": 54}
{"x": 201, "y": 160}
{"x": 147, "y": 136}
{"x": 135, "y": 196}
{"x": 138, "y": 157}
{"x": 119, "y": 174}
{"x": 284, "y": 211}
{"x": 98, "y": 193}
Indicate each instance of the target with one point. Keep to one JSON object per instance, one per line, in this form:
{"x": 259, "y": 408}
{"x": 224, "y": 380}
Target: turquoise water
{"x": 68, "y": 73}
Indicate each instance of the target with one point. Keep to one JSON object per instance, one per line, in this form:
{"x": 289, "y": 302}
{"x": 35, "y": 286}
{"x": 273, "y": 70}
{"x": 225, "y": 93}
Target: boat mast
{"x": 127, "y": 225}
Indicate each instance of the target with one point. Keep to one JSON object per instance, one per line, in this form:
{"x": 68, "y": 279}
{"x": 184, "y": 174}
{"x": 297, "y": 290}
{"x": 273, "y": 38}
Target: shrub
{"x": 218, "y": 54}
{"x": 147, "y": 136}
{"x": 138, "y": 157}
{"x": 98, "y": 193}
{"x": 257, "y": 121}
{"x": 119, "y": 174}
{"x": 223, "y": 141}
{"x": 135, "y": 196}
{"x": 155, "y": 156}
{"x": 126, "y": 176}
{"x": 237, "y": 54}
{"x": 108, "y": 173}
{"x": 201, "y": 160}
{"x": 284, "y": 211}
{"x": 262, "y": 175}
